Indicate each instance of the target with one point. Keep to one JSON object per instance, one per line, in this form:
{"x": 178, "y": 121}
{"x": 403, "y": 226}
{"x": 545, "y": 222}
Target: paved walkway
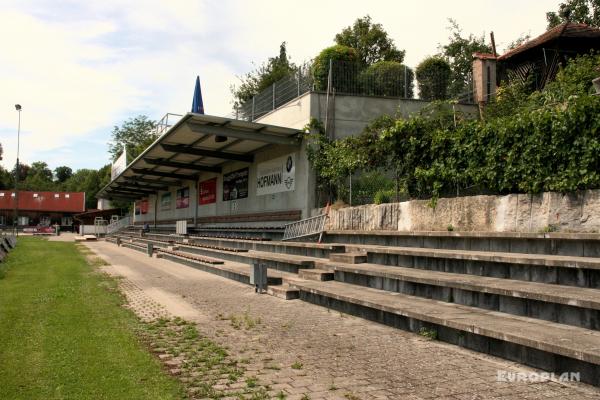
{"x": 304, "y": 349}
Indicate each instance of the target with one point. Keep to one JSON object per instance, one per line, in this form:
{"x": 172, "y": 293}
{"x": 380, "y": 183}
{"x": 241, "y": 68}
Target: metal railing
{"x": 350, "y": 78}
{"x": 116, "y": 226}
{"x": 304, "y": 228}
{"x": 165, "y": 123}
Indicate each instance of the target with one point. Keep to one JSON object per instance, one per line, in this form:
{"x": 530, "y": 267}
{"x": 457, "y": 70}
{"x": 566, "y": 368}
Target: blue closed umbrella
{"x": 197, "y": 104}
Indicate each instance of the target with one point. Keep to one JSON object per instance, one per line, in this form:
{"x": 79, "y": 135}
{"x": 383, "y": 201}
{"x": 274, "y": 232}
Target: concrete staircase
{"x": 530, "y": 298}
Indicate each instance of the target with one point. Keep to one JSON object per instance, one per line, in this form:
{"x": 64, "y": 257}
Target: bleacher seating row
{"x": 531, "y": 298}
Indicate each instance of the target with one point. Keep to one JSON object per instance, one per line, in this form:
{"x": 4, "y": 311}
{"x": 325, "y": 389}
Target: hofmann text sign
{"x": 276, "y": 175}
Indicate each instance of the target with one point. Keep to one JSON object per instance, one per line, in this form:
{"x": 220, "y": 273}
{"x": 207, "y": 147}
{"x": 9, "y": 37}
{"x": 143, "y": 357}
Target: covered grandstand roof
{"x": 196, "y": 143}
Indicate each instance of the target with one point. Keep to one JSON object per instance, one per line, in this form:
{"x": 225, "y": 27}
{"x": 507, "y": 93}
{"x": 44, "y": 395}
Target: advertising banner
{"x": 276, "y": 175}
{"x": 165, "y": 201}
{"x": 183, "y": 198}
{"x": 235, "y": 184}
{"x": 144, "y": 206}
{"x": 208, "y": 191}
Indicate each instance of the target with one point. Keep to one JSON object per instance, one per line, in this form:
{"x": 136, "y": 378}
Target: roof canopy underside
{"x": 197, "y": 143}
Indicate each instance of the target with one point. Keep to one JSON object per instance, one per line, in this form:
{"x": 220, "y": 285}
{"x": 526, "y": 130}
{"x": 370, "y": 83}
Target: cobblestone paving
{"x": 309, "y": 352}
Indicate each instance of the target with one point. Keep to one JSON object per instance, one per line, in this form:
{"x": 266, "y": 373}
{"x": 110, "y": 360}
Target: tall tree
{"x": 254, "y": 82}
{"x": 433, "y": 78}
{"x": 62, "y": 173}
{"x": 459, "y": 53}
{"x": 371, "y": 42}
{"x": 135, "y": 134}
{"x": 39, "y": 177}
{"x": 581, "y": 11}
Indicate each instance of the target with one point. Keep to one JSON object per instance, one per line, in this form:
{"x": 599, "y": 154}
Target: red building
{"x": 41, "y": 208}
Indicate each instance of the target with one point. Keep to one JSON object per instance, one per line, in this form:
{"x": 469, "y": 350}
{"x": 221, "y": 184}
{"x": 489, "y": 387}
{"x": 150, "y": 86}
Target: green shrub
{"x": 433, "y": 78}
{"x": 384, "y": 196}
{"x": 320, "y": 67}
{"x": 387, "y": 78}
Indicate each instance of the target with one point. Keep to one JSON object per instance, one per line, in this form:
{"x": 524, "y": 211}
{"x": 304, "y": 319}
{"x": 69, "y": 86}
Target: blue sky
{"x": 80, "y": 67}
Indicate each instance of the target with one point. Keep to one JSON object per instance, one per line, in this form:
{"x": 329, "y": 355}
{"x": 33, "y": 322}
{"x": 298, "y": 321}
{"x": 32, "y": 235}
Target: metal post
{"x": 16, "y": 213}
{"x": 350, "y": 177}
{"x": 252, "y": 118}
{"x": 150, "y": 249}
{"x": 273, "y": 97}
{"x": 405, "y": 83}
{"x": 298, "y": 82}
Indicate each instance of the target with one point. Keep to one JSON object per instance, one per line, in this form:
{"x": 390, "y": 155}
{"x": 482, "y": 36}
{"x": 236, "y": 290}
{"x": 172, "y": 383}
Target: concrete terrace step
{"x": 310, "y": 249}
{"x": 563, "y": 304}
{"x": 231, "y": 270}
{"x": 538, "y": 343}
{"x": 202, "y": 259}
{"x": 283, "y": 262}
{"x": 558, "y": 243}
{"x": 545, "y": 268}
{"x": 283, "y": 291}
{"x": 349, "y": 258}
{"x": 316, "y": 274}
{"x": 546, "y": 260}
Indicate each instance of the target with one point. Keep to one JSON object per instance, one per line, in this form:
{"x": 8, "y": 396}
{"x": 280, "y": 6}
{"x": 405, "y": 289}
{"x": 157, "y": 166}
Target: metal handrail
{"x": 118, "y": 225}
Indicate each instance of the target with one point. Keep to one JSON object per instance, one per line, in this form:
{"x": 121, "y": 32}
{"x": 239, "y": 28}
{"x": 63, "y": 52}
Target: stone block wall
{"x": 571, "y": 212}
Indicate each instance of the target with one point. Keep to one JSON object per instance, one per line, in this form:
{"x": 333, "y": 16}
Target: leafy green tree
{"x": 39, "y": 177}
{"x": 62, "y": 173}
{"x": 387, "y": 78}
{"x": 581, "y": 11}
{"x": 433, "y": 78}
{"x": 320, "y": 66}
{"x": 135, "y": 134}
{"x": 254, "y": 82}
{"x": 371, "y": 42}
{"x": 459, "y": 53}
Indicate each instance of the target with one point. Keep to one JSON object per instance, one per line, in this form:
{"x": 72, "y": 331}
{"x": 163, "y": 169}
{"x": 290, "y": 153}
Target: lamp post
{"x": 16, "y": 216}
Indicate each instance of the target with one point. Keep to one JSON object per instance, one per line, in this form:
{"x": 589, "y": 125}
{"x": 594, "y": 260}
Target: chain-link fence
{"x": 385, "y": 79}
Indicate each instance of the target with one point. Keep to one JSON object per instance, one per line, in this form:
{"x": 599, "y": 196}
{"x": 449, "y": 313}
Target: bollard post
{"x": 150, "y": 249}
{"x": 118, "y": 241}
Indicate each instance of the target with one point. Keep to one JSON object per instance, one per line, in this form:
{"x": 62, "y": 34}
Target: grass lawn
{"x": 63, "y": 334}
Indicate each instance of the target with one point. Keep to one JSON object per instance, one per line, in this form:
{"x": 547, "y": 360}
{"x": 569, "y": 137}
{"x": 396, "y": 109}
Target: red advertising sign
{"x": 208, "y": 191}
{"x": 144, "y": 206}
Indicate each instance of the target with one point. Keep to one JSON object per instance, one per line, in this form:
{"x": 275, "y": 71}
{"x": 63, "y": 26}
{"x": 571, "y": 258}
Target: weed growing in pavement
{"x": 428, "y": 333}
{"x": 209, "y": 370}
{"x": 297, "y": 365}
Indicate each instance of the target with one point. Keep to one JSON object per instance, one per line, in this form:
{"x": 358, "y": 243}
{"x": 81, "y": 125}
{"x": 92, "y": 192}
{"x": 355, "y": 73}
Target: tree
{"x": 580, "y": 11}
{"x": 62, "y": 173}
{"x": 135, "y": 134}
{"x": 39, "y": 178}
{"x": 320, "y": 66}
{"x": 386, "y": 78}
{"x": 433, "y": 78}
{"x": 254, "y": 82}
{"x": 371, "y": 42}
{"x": 524, "y": 38}
{"x": 459, "y": 53}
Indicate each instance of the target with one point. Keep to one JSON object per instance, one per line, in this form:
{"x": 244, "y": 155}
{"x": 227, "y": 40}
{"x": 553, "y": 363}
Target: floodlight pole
{"x": 16, "y": 214}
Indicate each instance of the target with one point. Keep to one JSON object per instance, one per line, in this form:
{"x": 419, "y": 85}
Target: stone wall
{"x": 571, "y": 212}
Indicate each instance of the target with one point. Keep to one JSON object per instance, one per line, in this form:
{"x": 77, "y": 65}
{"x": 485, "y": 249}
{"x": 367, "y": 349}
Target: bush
{"x": 384, "y": 196}
{"x": 433, "y": 78}
{"x": 386, "y": 78}
{"x": 320, "y": 67}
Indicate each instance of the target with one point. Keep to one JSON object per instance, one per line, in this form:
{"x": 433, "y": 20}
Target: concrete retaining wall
{"x": 572, "y": 212}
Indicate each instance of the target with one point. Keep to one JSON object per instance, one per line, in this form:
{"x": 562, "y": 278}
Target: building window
{"x": 35, "y": 195}
{"x": 56, "y": 195}
{"x": 67, "y": 196}
{"x": 1, "y": 194}
{"x": 12, "y": 194}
